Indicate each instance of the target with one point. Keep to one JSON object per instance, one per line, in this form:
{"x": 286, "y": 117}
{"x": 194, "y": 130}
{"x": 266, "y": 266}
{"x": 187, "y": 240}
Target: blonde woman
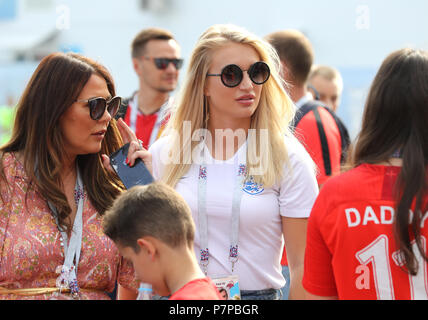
{"x": 228, "y": 152}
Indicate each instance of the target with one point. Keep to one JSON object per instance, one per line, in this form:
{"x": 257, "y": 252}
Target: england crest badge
{"x": 252, "y": 187}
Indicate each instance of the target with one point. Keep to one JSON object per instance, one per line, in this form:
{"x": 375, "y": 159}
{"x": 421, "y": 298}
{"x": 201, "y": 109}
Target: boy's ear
{"x": 148, "y": 245}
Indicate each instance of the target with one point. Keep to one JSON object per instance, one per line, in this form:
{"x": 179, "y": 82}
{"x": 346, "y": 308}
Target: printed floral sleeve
{"x": 127, "y": 277}
{"x": 5, "y": 201}
{"x": 4, "y": 214}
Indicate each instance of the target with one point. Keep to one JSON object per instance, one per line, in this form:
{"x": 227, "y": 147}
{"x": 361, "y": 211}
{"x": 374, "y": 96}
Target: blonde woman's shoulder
{"x": 295, "y": 149}
{"x": 160, "y": 155}
{"x": 159, "y": 144}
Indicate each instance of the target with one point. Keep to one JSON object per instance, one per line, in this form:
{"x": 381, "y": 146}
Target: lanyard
{"x": 72, "y": 248}
{"x": 236, "y": 210}
{"x": 161, "y": 114}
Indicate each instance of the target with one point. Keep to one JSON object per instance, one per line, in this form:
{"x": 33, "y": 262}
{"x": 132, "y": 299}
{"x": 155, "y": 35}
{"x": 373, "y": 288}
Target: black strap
{"x": 302, "y": 111}
{"x": 344, "y": 136}
{"x": 324, "y": 143}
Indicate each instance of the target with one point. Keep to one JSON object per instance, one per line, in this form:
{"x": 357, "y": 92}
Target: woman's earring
{"x": 206, "y": 113}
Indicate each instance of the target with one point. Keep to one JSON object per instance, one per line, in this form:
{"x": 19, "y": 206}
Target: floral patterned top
{"x": 30, "y": 248}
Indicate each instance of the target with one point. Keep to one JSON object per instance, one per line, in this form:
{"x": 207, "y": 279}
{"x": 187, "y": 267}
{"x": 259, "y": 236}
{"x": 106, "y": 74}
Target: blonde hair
{"x": 274, "y": 112}
{"x": 328, "y": 73}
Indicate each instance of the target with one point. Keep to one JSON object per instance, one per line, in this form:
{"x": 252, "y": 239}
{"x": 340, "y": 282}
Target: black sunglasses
{"x": 97, "y": 106}
{"x": 163, "y": 63}
{"x": 232, "y": 75}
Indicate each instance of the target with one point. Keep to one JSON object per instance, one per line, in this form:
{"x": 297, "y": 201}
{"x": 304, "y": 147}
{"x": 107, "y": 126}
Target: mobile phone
{"x": 138, "y": 174}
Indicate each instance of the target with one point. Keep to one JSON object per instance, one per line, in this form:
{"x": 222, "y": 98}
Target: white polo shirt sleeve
{"x": 298, "y": 189}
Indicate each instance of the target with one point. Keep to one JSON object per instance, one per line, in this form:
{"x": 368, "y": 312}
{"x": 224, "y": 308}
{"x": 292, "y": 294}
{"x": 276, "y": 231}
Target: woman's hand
{"x": 135, "y": 151}
{"x": 125, "y": 131}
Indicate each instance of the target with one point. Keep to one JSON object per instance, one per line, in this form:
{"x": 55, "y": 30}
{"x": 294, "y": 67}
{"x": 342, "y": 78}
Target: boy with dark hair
{"x": 152, "y": 227}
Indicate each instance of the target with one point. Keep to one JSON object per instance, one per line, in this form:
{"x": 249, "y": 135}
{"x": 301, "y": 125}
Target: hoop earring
{"x": 206, "y": 113}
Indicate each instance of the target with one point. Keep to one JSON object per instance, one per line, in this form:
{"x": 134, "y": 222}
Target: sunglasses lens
{"x": 259, "y": 72}
{"x": 161, "y": 63}
{"x": 114, "y": 105}
{"x": 231, "y": 75}
{"x": 178, "y": 63}
{"x": 97, "y": 107}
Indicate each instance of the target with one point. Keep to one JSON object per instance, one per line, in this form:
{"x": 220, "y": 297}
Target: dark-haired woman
{"x": 54, "y": 188}
{"x": 367, "y": 233}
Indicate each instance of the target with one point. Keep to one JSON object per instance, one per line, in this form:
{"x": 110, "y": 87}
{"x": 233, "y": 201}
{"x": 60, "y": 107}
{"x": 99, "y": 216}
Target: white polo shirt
{"x": 260, "y": 230}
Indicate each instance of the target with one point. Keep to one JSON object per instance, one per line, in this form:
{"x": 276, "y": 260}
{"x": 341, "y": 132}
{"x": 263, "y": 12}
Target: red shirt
{"x": 145, "y": 124}
{"x": 350, "y": 251}
{"x": 308, "y": 135}
{"x": 284, "y": 261}
{"x": 199, "y": 289}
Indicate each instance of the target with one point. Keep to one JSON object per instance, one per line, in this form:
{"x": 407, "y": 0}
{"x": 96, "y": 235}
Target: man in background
{"x": 318, "y": 129}
{"x": 321, "y": 132}
{"x": 326, "y": 85}
{"x": 156, "y": 61}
